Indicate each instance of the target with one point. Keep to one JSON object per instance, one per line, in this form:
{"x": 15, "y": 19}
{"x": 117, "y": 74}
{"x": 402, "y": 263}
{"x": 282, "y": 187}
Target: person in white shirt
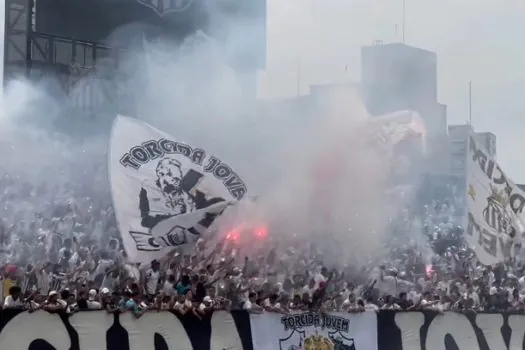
{"x": 390, "y": 304}
{"x": 92, "y": 303}
{"x": 152, "y": 277}
{"x": 250, "y": 304}
{"x": 44, "y": 278}
{"x": 179, "y": 302}
{"x": 443, "y": 305}
{"x": 169, "y": 286}
{"x": 346, "y": 291}
{"x": 310, "y": 288}
{"x": 320, "y": 276}
{"x": 13, "y": 300}
{"x": 53, "y": 303}
{"x": 370, "y": 306}
{"x": 65, "y": 253}
{"x": 427, "y": 302}
{"x": 349, "y": 303}
{"x": 104, "y": 265}
{"x": 206, "y": 304}
{"x": 414, "y": 296}
{"x": 272, "y": 304}
{"x": 471, "y": 294}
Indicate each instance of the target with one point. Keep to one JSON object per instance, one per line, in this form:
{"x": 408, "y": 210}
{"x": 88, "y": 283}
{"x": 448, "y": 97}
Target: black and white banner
{"x": 450, "y": 331}
{"x": 495, "y": 208}
{"x": 165, "y": 192}
{"x": 385, "y": 330}
{"x": 314, "y": 330}
{"x": 90, "y": 330}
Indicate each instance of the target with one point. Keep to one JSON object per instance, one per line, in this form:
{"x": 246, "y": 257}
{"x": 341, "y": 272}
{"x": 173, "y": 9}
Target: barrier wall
{"x": 450, "y": 331}
{"x": 98, "y": 330}
{"x": 387, "y": 330}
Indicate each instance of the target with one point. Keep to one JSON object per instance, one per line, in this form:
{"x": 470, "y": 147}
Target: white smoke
{"x": 190, "y": 91}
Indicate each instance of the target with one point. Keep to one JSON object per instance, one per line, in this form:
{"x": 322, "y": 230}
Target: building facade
{"x": 398, "y": 77}
{"x": 458, "y": 141}
{"x": 488, "y": 141}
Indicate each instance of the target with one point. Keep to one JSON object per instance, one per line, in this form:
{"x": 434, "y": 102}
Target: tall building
{"x": 488, "y": 141}
{"x": 458, "y": 137}
{"x": 330, "y": 98}
{"x": 398, "y": 77}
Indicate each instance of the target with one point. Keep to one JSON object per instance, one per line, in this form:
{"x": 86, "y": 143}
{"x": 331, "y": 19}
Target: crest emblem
{"x": 495, "y": 213}
{"x": 164, "y": 7}
{"x": 298, "y": 340}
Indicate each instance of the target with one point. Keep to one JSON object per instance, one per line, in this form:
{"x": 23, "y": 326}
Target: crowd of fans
{"x": 60, "y": 250}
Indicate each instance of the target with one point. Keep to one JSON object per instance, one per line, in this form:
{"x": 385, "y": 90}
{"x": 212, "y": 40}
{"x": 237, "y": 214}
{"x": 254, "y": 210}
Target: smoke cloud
{"x": 313, "y": 169}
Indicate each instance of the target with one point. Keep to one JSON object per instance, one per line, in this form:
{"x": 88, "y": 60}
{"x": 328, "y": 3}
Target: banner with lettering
{"x": 100, "y": 330}
{"x": 313, "y": 330}
{"x": 495, "y": 205}
{"x": 166, "y": 193}
{"x": 430, "y": 330}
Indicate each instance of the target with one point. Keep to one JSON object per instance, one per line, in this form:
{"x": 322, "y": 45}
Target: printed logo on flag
{"x": 316, "y": 331}
{"x": 494, "y": 218}
{"x": 166, "y": 192}
{"x": 163, "y": 7}
{"x": 494, "y": 212}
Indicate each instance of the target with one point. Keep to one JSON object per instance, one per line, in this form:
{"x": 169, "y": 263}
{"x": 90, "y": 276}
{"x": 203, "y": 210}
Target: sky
{"x": 475, "y": 40}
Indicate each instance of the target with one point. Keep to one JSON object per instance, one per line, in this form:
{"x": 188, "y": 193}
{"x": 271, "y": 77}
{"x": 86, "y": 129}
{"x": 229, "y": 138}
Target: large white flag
{"x": 495, "y": 205}
{"x": 165, "y": 192}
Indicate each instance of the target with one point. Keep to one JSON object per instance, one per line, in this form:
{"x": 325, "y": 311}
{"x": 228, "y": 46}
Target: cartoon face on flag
{"x": 165, "y": 192}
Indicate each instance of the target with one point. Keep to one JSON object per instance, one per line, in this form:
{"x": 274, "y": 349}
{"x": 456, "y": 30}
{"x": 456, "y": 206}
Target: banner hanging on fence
{"x": 165, "y": 192}
{"x": 450, "y": 330}
{"x": 313, "y": 330}
{"x": 495, "y": 208}
{"x": 101, "y": 330}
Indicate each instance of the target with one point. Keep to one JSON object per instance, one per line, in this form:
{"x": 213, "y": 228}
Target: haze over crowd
{"x": 295, "y": 168}
{"x": 198, "y": 98}
{"x": 319, "y": 181}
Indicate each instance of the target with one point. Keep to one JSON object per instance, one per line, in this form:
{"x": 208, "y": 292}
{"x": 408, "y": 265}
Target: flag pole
{"x": 298, "y": 82}
{"x": 403, "y": 23}
{"x": 470, "y": 103}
